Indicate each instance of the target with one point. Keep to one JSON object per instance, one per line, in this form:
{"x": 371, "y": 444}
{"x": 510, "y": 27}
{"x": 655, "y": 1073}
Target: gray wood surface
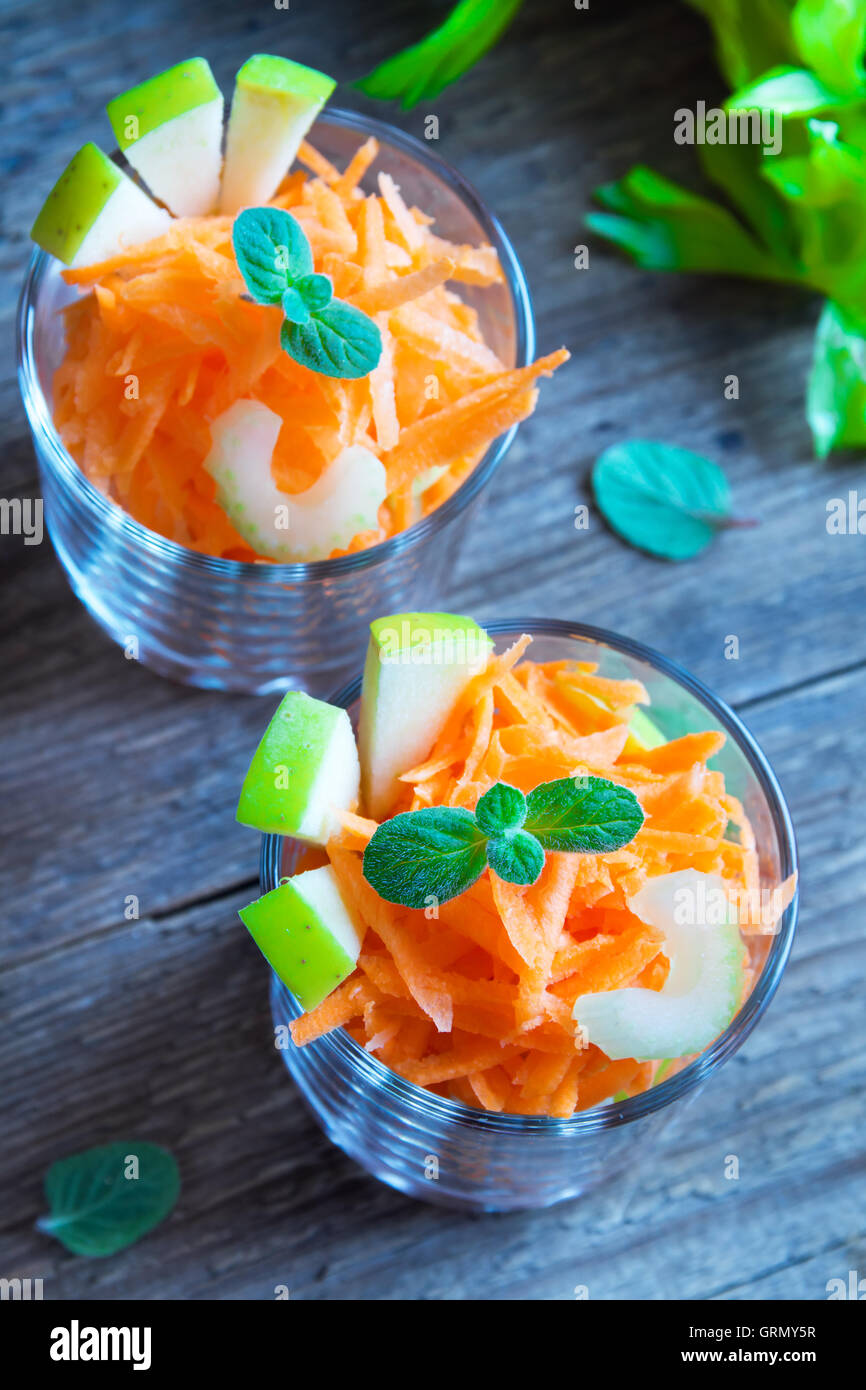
{"x": 116, "y": 783}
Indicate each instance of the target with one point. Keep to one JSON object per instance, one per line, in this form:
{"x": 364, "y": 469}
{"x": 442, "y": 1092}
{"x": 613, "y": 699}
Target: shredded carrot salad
{"x": 164, "y": 343}
{"x": 475, "y": 1001}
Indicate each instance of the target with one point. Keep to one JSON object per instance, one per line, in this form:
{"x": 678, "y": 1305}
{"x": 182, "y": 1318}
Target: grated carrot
{"x": 163, "y": 341}
{"x": 476, "y": 999}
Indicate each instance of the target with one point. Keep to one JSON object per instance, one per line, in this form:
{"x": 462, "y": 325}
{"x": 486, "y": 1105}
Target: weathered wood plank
{"x": 268, "y": 1201}
{"x": 116, "y": 783}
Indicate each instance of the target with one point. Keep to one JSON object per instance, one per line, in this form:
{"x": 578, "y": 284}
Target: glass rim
{"x": 339, "y": 1046}
{"x": 116, "y": 519}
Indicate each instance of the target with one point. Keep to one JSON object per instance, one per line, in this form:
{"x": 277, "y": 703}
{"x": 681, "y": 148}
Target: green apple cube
{"x": 94, "y": 210}
{"x": 274, "y": 104}
{"x": 170, "y": 129}
{"x": 298, "y": 527}
{"x": 303, "y": 772}
{"x": 417, "y": 666}
{"x": 306, "y": 933}
{"x": 704, "y": 987}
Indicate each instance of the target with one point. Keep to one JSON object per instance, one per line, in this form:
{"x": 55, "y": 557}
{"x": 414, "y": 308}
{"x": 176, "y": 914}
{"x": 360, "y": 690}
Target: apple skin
{"x": 417, "y": 666}
{"x": 305, "y": 768}
{"x": 307, "y": 934}
{"x": 170, "y": 129}
{"x": 149, "y": 105}
{"x": 274, "y": 104}
{"x": 94, "y": 210}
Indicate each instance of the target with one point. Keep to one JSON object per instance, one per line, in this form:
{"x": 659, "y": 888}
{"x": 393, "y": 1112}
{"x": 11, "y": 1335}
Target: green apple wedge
{"x": 303, "y": 772}
{"x": 274, "y": 104}
{"x": 94, "y": 210}
{"x": 704, "y": 987}
{"x": 170, "y": 129}
{"x": 417, "y": 666}
{"x": 307, "y": 933}
{"x": 295, "y": 527}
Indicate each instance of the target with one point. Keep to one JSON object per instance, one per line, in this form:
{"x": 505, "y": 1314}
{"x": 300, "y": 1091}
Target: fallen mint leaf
{"x": 667, "y": 501}
{"x": 106, "y": 1198}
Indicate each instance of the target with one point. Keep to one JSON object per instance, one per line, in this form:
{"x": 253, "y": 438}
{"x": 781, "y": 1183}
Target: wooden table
{"x": 117, "y": 783}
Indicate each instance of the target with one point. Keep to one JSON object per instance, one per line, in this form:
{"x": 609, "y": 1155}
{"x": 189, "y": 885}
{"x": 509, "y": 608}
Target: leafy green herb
{"x": 433, "y": 855}
{"x": 272, "y": 252}
{"x": 106, "y": 1198}
{"x": 515, "y": 856}
{"x": 315, "y": 290}
{"x": 800, "y": 213}
{"x": 583, "y": 815}
{"x": 503, "y": 807}
{"x": 422, "y": 71}
{"x": 319, "y": 332}
{"x": 294, "y": 307}
{"x": 338, "y": 340}
{"x": 436, "y": 853}
{"x": 665, "y": 500}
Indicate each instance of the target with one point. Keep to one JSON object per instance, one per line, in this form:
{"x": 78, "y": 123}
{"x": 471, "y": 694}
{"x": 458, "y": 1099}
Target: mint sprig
{"x": 321, "y": 333}
{"x": 425, "y": 857}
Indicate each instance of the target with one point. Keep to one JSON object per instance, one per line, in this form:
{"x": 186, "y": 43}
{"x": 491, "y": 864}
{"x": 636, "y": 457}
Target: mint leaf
{"x": 422, "y": 71}
{"x": 338, "y": 341}
{"x": 503, "y": 807}
{"x": 667, "y": 501}
{"x": 436, "y": 853}
{"x": 515, "y": 856}
{"x": 272, "y": 251}
{"x": 584, "y": 815}
{"x": 315, "y": 290}
{"x": 294, "y": 306}
{"x": 106, "y": 1198}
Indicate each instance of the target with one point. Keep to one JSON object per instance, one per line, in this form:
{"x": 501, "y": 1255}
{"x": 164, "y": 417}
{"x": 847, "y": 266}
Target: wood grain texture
{"x": 117, "y": 783}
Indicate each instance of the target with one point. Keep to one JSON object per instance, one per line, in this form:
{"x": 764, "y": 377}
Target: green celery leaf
{"x": 751, "y": 35}
{"x": 831, "y": 38}
{"x": 583, "y": 815}
{"x": 739, "y": 171}
{"x": 422, "y": 71}
{"x": 503, "y": 807}
{"x": 789, "y": 92}
{"x": 667, "y": 501}
{"x": 826, "y": 189}
{"x": 836, "y": 395}
{"x": 106, "y": 1198}
{"x": 665, "y": 227}
{"x": 436, "y": 853}
{"x": 516, "y": 857}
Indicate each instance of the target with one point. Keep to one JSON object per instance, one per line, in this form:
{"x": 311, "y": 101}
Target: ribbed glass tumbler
{"x": 442, "y": 1151}
{"x": 265, "y": 627}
